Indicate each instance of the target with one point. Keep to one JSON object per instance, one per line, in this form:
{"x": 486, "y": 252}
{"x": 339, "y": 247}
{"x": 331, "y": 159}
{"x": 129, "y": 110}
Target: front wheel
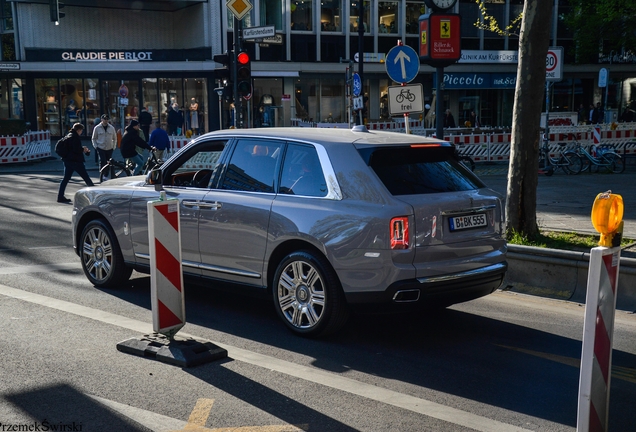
{"x": 308, "y": 296}
{"x": 573, "y": 163}
{"x": 102, "y": 261}
{"x": 617, "y": 163}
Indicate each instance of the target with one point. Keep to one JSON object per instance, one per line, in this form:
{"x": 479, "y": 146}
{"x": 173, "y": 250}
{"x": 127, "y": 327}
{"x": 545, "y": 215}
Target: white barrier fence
{"x": 486, "y": 146}
{"x": 28, "y": 147}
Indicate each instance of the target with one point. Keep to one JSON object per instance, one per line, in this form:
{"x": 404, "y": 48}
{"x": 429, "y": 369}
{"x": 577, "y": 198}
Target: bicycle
{"x": 569, "y": 161}
{"x": 405, "y": 93}
{"x": 151, "y": 163}
{"x": 115, "y": 169}
{"x": 601, "y": 156}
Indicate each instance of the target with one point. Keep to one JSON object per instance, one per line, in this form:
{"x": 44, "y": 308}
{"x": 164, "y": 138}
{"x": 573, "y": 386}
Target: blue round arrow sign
{"x": 402, "y": 63}
{"x": 357, "y": 84}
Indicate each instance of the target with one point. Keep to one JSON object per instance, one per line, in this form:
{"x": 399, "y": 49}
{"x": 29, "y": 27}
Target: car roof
{"x": 328, "y": 136}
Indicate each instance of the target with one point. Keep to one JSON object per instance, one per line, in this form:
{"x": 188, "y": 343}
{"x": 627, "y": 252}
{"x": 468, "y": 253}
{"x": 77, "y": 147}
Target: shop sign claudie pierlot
{"x": 79, "y": 55}
{"x": 107, "y": 55}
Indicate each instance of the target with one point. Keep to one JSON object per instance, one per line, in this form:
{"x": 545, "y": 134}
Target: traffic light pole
{"x": 238, "y": 111}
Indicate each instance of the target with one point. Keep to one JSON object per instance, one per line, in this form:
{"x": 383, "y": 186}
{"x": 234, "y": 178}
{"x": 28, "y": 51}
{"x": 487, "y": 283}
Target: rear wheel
{"x": 102, "y": 261}
{"x": 308, "y": 296}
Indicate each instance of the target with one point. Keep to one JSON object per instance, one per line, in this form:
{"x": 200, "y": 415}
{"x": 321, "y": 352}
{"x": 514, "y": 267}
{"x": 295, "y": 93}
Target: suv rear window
{"x": 419, "y": 170}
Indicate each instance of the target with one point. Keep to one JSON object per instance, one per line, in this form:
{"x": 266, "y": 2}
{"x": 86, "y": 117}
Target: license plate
{"x": 465, "y": 222}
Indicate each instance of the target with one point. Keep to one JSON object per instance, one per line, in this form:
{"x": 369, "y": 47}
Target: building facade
{"x": 118, "y": 56}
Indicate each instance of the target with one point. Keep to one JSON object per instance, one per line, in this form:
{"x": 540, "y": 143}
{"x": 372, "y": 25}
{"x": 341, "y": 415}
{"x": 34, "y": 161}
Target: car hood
{"x": 139, "y": 180}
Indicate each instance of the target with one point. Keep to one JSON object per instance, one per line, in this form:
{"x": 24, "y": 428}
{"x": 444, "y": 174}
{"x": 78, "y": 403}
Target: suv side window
{"x": 302, "y": 172}
{"x": 197, "y": 167}
{"x": 252, "y": 166}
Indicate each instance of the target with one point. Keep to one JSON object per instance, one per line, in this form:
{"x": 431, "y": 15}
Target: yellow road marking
{"x": 620, "y": 372}
{"x": 201, "y": 412}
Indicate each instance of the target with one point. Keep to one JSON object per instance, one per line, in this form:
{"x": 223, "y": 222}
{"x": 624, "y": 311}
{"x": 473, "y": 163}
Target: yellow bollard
{"x": 607, "y": 217}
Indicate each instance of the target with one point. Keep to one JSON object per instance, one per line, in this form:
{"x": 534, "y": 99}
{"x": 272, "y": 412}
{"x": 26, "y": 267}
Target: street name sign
{"x": 259, "y": 32}
{"x": 402, "y": 63}
{"x": 405, "y": 99}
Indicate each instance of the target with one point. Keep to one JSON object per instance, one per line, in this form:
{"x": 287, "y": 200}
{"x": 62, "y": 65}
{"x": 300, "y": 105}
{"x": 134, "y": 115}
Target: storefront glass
{"x": 413, "y": 12}
{"x": 388, "y": 15}
{"x": 72, "y": 102}
{"x": 4, "y": 99}
{"x": 92, "y": 106}
{"x": 331, "y": 15}
{"x": 354, "y": 15}
{"x": 48, "y": 105}
{"x": 171, "y": 97}
{"x": 301, "y": 15}
{"x": 151, "y": 99}
{"x": 121, "y": 99}
{"x": 196, "y": 110}
{"x": 272, "y": 13}
{"x": 267, "y": 104}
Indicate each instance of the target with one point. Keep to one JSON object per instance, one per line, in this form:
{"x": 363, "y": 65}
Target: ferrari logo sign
{"x": 445, "y": 29}
{"x": 239, "y": 8}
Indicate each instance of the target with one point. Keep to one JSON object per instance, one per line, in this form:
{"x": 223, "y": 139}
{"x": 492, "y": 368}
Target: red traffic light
{"x": 243, "y": 58}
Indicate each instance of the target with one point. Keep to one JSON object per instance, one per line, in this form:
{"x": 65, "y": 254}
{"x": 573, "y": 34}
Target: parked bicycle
{"x": 569, "y": 160}
{"x": 602, "y": 156}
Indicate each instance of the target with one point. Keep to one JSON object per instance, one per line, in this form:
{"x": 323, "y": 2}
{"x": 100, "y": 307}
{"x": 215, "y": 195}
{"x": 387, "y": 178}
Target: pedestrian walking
{"x": 104, "y": 140}
{"x": 145, "y": 120}
{"x": 73, "y": 161}
{"x": 159, "y": 139}
{"x": 129, "y": 141}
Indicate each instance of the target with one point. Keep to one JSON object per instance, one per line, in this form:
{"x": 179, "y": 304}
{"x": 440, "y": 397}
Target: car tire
{"x": 101, "y": 257}
{"x": 308, "y": 296}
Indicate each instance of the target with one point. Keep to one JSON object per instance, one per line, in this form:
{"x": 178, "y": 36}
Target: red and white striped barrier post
{"x": 166, "y": 273}
{"x": 600, "y": 308}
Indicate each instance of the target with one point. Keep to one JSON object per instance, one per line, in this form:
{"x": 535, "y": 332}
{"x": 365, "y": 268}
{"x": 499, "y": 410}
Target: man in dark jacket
{"x": 129, "y": 141}
{"x": 145, "y": 119}
{"x": 74, "y": 161}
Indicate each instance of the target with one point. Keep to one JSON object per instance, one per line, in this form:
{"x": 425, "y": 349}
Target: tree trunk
{"x": 521, "y": 203}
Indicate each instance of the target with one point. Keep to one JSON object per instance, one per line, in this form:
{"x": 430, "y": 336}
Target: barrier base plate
{"x": 184, "y": 352}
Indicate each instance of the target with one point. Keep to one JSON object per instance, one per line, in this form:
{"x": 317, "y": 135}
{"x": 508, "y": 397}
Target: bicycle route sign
{"x": 406, "y": 99}
{"x": 402, "y": 64}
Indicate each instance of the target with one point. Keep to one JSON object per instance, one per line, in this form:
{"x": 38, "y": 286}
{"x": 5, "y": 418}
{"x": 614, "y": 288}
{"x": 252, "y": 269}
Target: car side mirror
{"x": 155, "y": 177}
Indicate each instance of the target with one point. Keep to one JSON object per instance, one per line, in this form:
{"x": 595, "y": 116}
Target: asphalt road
{"x": 504, "y": 362}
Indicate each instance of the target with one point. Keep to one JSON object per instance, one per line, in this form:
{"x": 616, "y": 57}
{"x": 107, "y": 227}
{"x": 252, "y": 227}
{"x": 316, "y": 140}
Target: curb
{"x": 562, "y": 274}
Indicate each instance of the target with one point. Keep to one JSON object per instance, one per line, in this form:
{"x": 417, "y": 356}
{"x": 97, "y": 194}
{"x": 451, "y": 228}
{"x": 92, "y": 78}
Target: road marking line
{"x": 328, "y": 379}
{"x": 200, "y": 413}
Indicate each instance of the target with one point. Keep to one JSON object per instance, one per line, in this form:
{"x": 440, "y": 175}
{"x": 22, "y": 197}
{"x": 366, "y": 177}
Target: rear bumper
{"x": 438, "y": 291}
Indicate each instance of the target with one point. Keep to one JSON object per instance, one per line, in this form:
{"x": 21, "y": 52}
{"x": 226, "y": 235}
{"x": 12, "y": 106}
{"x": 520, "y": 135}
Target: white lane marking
{"x": 39, "y": 268}
{"x": 390, "y": 397}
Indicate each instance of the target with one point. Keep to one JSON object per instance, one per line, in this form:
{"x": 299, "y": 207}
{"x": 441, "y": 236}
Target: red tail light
{"x": 399, "y": 233}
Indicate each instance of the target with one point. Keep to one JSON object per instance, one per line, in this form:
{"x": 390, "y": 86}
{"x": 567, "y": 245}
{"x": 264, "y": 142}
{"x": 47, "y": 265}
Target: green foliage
{"x": 490, "y": 23}
{"x": 601, "y": 26}
{"x": 560, "y": 240}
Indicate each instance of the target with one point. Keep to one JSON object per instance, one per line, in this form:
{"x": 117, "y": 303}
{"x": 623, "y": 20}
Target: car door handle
{"x": 190, "y": 203}
{"x": 210, "y": 205}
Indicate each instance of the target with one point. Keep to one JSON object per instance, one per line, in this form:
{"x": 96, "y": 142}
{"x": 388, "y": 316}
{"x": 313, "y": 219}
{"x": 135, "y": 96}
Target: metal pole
{"x": 361, "y": 51}
{"x": 546, "y": 138}
{"x": 439, "y": 103}
{"x": 235, "y": 51}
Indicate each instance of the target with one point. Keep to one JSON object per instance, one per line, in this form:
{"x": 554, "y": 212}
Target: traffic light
{"x": 54, "y": 9}
{"x": 244, "y": 74}
{"x": 224, "y": 73}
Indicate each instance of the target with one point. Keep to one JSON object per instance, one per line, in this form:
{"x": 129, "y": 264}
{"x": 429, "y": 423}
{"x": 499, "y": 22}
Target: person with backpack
{"x": 104, "y": 140}
{"x": 72, "y": 151}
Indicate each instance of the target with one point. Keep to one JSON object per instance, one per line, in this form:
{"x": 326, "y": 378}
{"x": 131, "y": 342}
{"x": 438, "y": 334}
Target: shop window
{"x": 48, "y": 105}
{"x": 7, "y": 32}
{"x": 171, "y": 98}
{"x": 272, "y": 13}
{"x": 150, "y": 95}
{"x": 331, "y": 15}
{"x": 332, "y": 106}
{"x": 122, "y": 109}
{"x": 354, "y": 16}
{"x": 468, "y": 8}
{"x": 388, "y": 14}
{"x": 92, "y": 105}
{"x": 196, "y": 109}
{"x": 413, "y": 12}
{"x": 301, "y": 15}
{"x": 4, "y": 98}
{"x": 8, "y": 47}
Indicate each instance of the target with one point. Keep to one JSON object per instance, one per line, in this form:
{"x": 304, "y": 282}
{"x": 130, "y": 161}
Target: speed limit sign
{"x": 554, "y": 64}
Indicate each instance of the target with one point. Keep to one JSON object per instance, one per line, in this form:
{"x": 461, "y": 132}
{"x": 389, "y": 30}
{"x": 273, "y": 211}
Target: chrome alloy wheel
{"x": 301, "y": 294}
{"x": 97, "y": 253}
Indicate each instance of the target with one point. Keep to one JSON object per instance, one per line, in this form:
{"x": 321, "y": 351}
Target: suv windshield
{"x": 419, "y": 170}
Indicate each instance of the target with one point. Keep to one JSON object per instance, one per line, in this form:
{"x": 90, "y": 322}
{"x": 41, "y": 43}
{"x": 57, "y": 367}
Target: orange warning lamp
{"x": 607, "y": 217}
